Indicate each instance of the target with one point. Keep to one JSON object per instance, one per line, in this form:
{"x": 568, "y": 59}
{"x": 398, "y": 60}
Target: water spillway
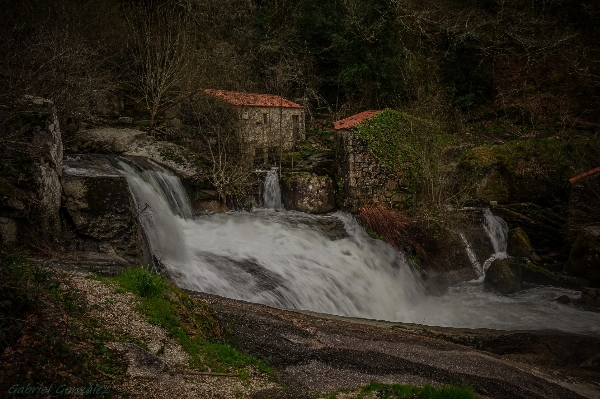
{"x": 326, "y": 264}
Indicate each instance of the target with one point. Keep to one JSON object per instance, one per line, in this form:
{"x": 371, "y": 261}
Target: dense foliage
{"x": 529, "y": 62}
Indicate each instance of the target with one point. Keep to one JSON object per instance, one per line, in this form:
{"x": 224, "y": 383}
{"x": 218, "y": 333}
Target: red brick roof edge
{"x": 575, "y": 179}
{"x": 252, "y": 99}
{"x": 354, "y": 120}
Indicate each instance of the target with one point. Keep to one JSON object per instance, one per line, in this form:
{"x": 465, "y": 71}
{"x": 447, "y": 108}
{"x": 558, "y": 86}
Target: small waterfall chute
{"x": 272, "y": 191}
{"x": 471, "y": 254}
{"x": 497, "y": 230}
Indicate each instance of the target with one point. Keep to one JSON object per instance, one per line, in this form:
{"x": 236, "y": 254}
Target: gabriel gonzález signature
{"x": 62, "y": 389}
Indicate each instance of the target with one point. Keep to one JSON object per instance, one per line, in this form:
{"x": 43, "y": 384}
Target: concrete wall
{"x": 362, "y": 178}
{"x": 271, "y": 127}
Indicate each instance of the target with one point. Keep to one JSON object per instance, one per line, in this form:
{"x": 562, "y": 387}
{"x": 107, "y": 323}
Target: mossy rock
{"x": 501, "y": 278}
{"x": 518, "y": 243}
{"x": 590, "y": 298}
{"x": 493, "y": 187}
{"x": 584, "y": 259}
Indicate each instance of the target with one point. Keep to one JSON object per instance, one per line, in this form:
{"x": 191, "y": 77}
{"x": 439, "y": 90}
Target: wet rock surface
{"x": 308, "y": 193}
{"x": 98, "y": 203}
{"x": 502, "y": 278}
{"x": 321, "y": 353}
{"x": 518, "y": 243}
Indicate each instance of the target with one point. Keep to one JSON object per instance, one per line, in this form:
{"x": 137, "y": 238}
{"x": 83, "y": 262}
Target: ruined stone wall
{"x": 362, "y": 178}
{"x": 272, "y": 127}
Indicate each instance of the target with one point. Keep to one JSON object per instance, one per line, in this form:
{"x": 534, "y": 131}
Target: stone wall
{"x": 306, "y": 192}
{"x": 362, "y": 178}
{"x": 271, "y": 127}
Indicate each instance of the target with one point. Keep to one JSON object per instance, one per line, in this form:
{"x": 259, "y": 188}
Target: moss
{"x": 518, "y": 243}
{"x": 499, "y": 277}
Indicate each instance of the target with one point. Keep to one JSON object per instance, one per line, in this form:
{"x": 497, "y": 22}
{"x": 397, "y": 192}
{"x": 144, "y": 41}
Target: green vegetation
{"x": 413, "y": 148}
{"x": 188, "y": 321}
{"x": 401, "y": 391}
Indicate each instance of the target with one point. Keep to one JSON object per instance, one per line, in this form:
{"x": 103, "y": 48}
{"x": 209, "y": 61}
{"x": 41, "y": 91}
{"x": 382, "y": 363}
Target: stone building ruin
{"x": 268, "y": 122}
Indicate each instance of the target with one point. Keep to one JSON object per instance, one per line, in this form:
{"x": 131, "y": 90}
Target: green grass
{"x": 401, "y": 391}
{"x": 188, "y": 321}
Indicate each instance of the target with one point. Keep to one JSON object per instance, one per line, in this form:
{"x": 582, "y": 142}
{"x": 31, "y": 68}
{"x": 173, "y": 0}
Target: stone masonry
{"x": 362, "y": 178}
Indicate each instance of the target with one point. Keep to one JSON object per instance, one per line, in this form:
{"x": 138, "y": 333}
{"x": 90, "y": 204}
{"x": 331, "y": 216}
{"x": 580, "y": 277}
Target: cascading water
{"x": 472, "y": 257}
{"x": 272, "y": 191}
{"x": 497, "y": 230}
{"x": 325, "y": 264}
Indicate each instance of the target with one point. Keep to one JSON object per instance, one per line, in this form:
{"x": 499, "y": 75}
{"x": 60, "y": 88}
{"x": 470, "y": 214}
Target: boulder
{"x": 109, "y": 140}
{"x": 102, "y": 210}
{"x": 518, "y": 243}
{"x": 180, "y": 160}
{"x": 590, "y": 298}
{"x": 31, "y": 166}
{"x": 584, "y": 259}
{"x": 499, "y": 277}
{"x": 308, "y": 193}
{"x": 534, "y": 274}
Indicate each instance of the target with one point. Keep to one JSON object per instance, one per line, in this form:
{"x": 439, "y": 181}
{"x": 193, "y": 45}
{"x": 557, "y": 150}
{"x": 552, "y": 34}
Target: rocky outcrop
{"x": 502, "y": 278}
{"x": 308, "y": 193}
{"x": 108, "y": 140}
{"x": 130, "y": 142}
{"x": 546, "y": 230}
{"x": 590, "y": 298}
{"x": 584, "y": 260}
{"x": 518, "y": 243}
{"x": 30, "y": 168}
{"x": 178, "y": 159}
{"x": 101, "y": 209}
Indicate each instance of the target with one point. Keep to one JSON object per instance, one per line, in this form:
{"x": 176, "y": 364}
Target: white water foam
{"x": 285, "y": 259}
{"x": 497, "y": 230}
{"x": 272, "y": 191}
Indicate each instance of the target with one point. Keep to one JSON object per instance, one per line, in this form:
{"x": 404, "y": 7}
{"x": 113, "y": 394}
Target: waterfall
{"x": 472, "y": 257}
{"x": 272, "y": 191}
{"x": 160, "y": 200}
{"x": 497, "y": 230}
{"x": 325, "y": 264}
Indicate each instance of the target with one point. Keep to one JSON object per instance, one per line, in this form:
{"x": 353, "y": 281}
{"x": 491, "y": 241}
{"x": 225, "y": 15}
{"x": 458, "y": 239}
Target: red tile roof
{"x": 575, "y": 179}
{"x": 251, "y": 99}
{"x": 354, "y": 120}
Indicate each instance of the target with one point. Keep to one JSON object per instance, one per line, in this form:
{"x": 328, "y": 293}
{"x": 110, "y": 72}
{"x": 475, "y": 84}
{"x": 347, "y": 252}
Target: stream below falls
{"x": 325, "y": 264}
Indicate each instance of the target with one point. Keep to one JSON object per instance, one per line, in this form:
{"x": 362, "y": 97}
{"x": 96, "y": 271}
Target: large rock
{"x": 109, "y": 140}
{"x": 102, "y": 210}
{"x": 308, "y": 193}
{"x": 31, "y": 166}
{"x": 499, "y": 277}
{"x": 584, "y": 260}
{"x": 180, "y": 160}
{"x": 518, "y": 243}
{"x": 533, "y": 274}
{"x": 590, "y": 298}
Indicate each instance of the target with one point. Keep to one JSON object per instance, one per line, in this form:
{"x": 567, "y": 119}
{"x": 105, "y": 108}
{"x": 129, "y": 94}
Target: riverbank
{"x": 314, "y": 354}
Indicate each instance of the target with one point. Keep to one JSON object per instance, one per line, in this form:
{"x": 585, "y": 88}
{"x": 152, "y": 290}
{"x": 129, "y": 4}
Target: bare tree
{"x": 163, "y": 50}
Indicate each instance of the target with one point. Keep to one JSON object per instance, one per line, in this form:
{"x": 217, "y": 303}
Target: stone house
{"x": 268, "y": 122}
{"x": 362, "y": 177}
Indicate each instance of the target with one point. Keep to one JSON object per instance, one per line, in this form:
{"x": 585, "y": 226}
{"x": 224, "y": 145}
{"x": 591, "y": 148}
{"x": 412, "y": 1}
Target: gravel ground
{"x": 116, "y": 313}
